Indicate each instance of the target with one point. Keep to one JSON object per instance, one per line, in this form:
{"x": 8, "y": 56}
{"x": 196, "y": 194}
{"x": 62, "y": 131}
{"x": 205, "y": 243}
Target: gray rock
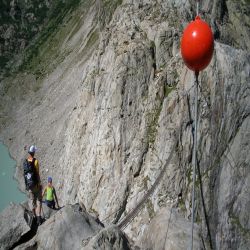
{"x": 67, "y": 229}
{"x": 47, "y": 212}
{"x": 109, "y": 238}
{"x": 73, "y": 228}
{"x": 13, "y": 225}
{"x": 169, "y": 230}
{"x": 104, "y": 104}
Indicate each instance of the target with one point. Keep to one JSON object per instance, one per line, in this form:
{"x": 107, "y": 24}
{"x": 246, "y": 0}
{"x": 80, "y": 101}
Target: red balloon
{"x": 197, "y": 45}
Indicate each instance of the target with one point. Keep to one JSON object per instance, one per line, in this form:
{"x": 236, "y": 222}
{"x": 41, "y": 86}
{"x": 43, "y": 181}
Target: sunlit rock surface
{"x": 107, "y": 97}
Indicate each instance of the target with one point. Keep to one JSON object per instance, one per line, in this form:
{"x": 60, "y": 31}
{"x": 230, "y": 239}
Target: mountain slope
{"x": 107, "y": 97}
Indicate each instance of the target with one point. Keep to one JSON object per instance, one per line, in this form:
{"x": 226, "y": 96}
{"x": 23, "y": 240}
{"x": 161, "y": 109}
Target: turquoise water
{"x": 9, "y": 191}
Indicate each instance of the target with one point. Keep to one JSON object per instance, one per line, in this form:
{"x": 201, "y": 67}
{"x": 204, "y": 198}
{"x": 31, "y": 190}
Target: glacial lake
{"x": 9, "y": 191}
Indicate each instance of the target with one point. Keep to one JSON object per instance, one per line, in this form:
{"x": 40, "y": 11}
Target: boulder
{"x": 66, "y": 229}
{"x": 109, "y": 238}
{"x": 47, "y": 212}
{"x": 73, "y": 228}
{"x": 14, "y": 224}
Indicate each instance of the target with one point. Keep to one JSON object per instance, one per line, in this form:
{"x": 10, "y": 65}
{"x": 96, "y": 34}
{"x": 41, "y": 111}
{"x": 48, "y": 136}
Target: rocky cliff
{"x": 106, "y": 98}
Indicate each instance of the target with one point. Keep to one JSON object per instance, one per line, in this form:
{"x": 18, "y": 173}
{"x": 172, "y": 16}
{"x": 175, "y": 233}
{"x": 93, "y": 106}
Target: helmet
{"x": 32, "y": 149}
{"x": 49, "y": 179}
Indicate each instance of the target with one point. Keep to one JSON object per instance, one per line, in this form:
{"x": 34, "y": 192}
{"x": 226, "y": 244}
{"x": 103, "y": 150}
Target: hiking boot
{"x": 39, "y": 220}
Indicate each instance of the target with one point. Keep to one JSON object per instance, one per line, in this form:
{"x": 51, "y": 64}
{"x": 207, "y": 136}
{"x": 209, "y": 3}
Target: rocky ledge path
{"x": 69, "y": 228}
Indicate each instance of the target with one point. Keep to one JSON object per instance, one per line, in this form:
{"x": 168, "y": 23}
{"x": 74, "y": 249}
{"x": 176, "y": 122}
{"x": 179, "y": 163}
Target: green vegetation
{"x": 111, "y": 4}
{"x": 107, "y": 10}
{"x": 236, "y": 221}
{"x": 152, "y": 45}
{"x": 156, "y": 14}
{"x": 189, "y": 174}
{"x": 150, "y": 208}
{"x": 27, "y": 19}
{"x": 198, "y": 219}
{"x": 247, "y": 2}
{"x": 43, "y": 54}
{"x": 3, "y": 61}
{"x": 92, "y": 210}
{"x": 168, "y": 89}
{"x": 152, "y": 124}
{"x": 153, "y": 117}
{"x": 48, "y": 49}
{"x": 182, "y": 206}
{"x": 94, "y": 37}
{"x": 62, "y": 20}
{"x": 145, "y": 182}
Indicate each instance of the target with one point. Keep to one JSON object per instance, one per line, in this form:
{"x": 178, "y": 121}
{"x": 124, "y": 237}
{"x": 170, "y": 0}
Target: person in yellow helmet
{"x": 51, "y": 196}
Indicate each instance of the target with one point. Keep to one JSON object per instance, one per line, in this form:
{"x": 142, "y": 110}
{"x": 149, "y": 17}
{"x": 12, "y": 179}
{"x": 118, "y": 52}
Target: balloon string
{"x": 197, "y": 8}
{"x": 194, "y": 156}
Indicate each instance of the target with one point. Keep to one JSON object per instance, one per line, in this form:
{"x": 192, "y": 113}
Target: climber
{"x": 50, "y": 195}
{"x": 33, "y": 182}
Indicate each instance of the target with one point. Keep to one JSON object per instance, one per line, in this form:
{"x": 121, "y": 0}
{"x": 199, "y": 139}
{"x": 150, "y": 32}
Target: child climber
{"x": 50, "y": 195}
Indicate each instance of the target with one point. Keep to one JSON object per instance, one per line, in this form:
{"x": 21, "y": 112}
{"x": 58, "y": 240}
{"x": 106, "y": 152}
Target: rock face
{"x": 13, "y": 225}
{"x": 173, "y": 232}
{"x": 73, "y": 228}
{"x": 110, "y": 238}
{"x": 107, "y": 98}
{"x": 70, "y": 226}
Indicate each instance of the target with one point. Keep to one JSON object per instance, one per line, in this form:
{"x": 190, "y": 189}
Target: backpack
{"x": 29, "y": 173}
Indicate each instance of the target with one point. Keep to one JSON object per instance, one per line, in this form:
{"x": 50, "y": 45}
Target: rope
{"x": 194, "y": 160}
{"x": 197, "y": 8}
{"x": 155, "y": 184}
{"x": 204, "y": 206}
{"x": 130, "y": 216}
{"x": 178, "y": 101}
{"x": 112, "y": 214}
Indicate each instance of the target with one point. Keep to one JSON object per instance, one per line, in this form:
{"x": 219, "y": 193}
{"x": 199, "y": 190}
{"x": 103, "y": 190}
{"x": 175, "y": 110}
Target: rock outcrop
{"x": 107, "y": 98}
{"x": 110, "y": 238}
{"x": 14, "y": 225}
{"x": 69, "y": 228}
